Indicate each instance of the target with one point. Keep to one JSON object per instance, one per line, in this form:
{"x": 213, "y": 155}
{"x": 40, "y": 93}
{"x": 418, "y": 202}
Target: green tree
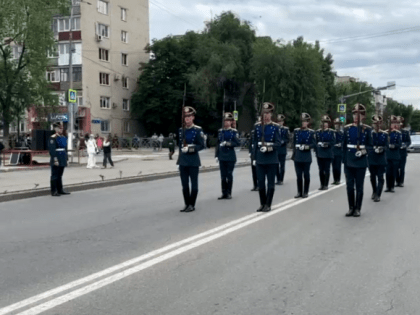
{"x": 415, "y": 120}
{"x": 26, "y": 35}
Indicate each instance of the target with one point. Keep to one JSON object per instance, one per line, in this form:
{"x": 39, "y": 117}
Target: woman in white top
{"x": 92, "y": 149}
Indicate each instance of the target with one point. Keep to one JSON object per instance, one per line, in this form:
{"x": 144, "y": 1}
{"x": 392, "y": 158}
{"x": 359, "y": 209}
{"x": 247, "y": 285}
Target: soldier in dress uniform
{"x": 191, "y": 141}
{"x": 393, "y": 153}
{"x": 171, "y": 145}
{"x": 356, "y": 143}
{"x": 303, "y": 143}
{"x": 282, "y": 152}
{"x": 377, "y": 158}
{"x": 325, "y": 141}
{"x": 337, "y": 152}
{"x": 266, "y": 143}
{"x": 253, "y": 165}
{"x": 227, "y": 140}
{"x": 406, "y": 142}
{"x": 58, "y": 152}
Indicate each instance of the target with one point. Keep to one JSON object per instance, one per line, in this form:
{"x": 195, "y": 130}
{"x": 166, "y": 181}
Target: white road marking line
{"x": 228, "y": 228}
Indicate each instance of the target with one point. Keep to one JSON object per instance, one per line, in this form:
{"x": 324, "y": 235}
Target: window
{"x": 77, "y": 74}
{"x": 65, "y": 75}
{"x": 80, "y": 100}
{"x": 17, "y": 52}
{"x": 53, "y": 76}
{"x": 104, "y": 102}
{"x": 103, "y": 54}
{"x": 76, "y": 24}
{"x": 103, "y": 30}
{"x": 126, "y": 104}
{"x": 123, "y": 14}
{"x": 22, "y": 127}
{"x": 64, "y": 25}
{"x": 53, "y": 52}
{"x": 126, "y": 126}
{"x": 124, "y": 59}
{"x": 54, "y": 25}
{"x": 64, "y": 54}
{"x": 103, "y": 7}
{"x": 105, "y": 126}
{"x": 124, "y": 36}
{"x": 125, "y": 82}
{"x": 103, "y": 78}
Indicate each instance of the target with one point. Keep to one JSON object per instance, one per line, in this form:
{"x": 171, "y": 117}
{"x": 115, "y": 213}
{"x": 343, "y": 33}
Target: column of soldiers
{"x": 358, "y": 147}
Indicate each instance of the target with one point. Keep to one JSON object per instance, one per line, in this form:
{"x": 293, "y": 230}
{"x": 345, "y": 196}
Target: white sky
{"x": 389, "y": 51}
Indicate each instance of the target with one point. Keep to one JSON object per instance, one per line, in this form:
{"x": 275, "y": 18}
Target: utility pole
{"x": 70, "y": 106}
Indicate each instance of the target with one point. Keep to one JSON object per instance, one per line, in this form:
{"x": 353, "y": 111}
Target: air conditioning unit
{"x": 117, "y": 77}
{"x": 98, "y": 38}
{"x": 114, "y": 105}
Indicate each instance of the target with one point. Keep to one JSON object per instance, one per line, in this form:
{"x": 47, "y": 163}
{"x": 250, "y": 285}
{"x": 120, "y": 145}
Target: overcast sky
{"x": 374, "y": 40}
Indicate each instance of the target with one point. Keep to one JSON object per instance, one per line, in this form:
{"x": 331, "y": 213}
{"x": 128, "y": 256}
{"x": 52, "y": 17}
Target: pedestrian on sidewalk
{"x": 107, "y": 152}
{"x": 160, "y": 141}
{"x": 99, "y": 141}
{"x": 92, "y": 150}
{"x": 171, "y": 145}
{"x": 58, "y": 161}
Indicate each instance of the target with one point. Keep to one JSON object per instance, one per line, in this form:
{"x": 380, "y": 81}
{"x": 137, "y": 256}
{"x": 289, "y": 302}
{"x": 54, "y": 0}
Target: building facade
{"x": 108, "y": 40}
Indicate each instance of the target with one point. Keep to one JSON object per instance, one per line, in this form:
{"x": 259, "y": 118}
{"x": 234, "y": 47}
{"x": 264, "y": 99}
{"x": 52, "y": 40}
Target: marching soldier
{"x": 337, "y": 152}
{"x": 393, "y": 153}
{"x": 253, "y": 165}
{"x": 282, "y": 152}
{"x": 227, "y": 140}
{"x": 406, "y": 142}
{"x": 191, "y": 141}
{"x": 357, "y": 141}
{"x": 266, "y": 143}
{"x": 58, "y": 161}
{"x": 303, "y": 142}
{"x": 325, "y": 140}
{"x": 171, "y": 145}
{"x": 377, "y": 158}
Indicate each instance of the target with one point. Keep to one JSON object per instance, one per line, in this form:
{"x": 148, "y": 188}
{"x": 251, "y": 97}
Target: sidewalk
{"x": 126, "y": 165}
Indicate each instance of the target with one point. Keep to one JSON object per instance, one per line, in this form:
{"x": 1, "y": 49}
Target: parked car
{"x": 415, "y": 144}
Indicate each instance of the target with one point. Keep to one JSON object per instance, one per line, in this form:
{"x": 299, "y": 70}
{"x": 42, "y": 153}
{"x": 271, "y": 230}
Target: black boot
{"x": 193, "y": 198}
{"x": 359, "y": 199}
{"x": 60, "y": 189}
{"x": 229, "y": 185}
{"x": 300, "y": 188}
{"x": 306, "y": 189}
{"x": 350, "y": 197}
{"x": 326, "y": 181}
{"x": 186, "y": 194}
{"x": 374, "y": 196}
{"x": 263, "y": 199}
{"x": 224, "y": 190}
{"x": 321, "y": 180}
{"x": 270, "y": 195}
{"x": 254, "y": 189}
{"x": 53, "y": 185}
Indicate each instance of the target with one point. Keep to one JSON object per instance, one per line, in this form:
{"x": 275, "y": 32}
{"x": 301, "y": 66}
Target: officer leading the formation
{"x": 303, "y": 143}
{"x": 191, "y": 141}
{"x": 406, "y": 142}
{"x": 393, "y": 153}
{"x": 325, "y": 141}
{"x": 58, "y": 161}
{"x": 377, "y": 158}
{"x": 357, "y": 141}
{"x": 337, "y": 152}
{"x": 282, "y": 151}
{"x": 227, "y": 140}
{"x": 266, "y": 144}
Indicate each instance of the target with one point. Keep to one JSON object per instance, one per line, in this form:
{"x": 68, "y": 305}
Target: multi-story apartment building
{"x": 109, "y": 37}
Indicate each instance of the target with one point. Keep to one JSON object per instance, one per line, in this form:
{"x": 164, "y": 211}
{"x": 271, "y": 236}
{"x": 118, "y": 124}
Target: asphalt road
{"x": 128, "y": 250}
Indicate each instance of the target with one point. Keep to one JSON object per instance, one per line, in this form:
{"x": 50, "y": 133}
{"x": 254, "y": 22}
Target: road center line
{"x": 195, "y": 241}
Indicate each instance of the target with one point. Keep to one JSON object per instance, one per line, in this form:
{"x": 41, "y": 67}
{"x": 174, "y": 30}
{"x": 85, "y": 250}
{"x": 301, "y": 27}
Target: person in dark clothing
{"x": 303, "y": 143}
{"x": 191, "y": 141}
{"x": 325, "y": 139}
{"x": 171, "y": 145}
{"x": 225, "y": 155}
{"x": 406, "y": 142}
{"x": 282, "y": 151}
{"x": 393, "y": 153}
{"x": 337, "y": 152}
{"x": 377, "y": 158}
{"x": 253, "y": 165}
{"x": 266, "y": 144}
{"x": 58, "y": 160}
{"x": 107, "y": 152}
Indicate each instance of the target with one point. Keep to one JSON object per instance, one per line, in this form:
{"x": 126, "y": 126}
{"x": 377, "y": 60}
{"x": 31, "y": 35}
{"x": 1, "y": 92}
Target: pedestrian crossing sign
{"x": 341, "y": 108}
{"x": 72, "y": 96}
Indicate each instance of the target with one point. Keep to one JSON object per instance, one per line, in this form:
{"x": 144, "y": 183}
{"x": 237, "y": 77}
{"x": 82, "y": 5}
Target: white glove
{"x": 249, "y": 154}
{"x": 56, "y": 163}
{"x": 223, "y": 144}
{"x": 217, "y": 160}
{"x": 263, "y": 149}
{"x": 302, "y": 147}
{"x": 321, "y": 144}
{"x": 184, "y": 149}
{"x": 254, "y": 163}
{"x": 338, "y": 145}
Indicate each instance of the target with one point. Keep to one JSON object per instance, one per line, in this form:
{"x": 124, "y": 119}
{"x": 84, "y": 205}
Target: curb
{"x": 103, "y": 184}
